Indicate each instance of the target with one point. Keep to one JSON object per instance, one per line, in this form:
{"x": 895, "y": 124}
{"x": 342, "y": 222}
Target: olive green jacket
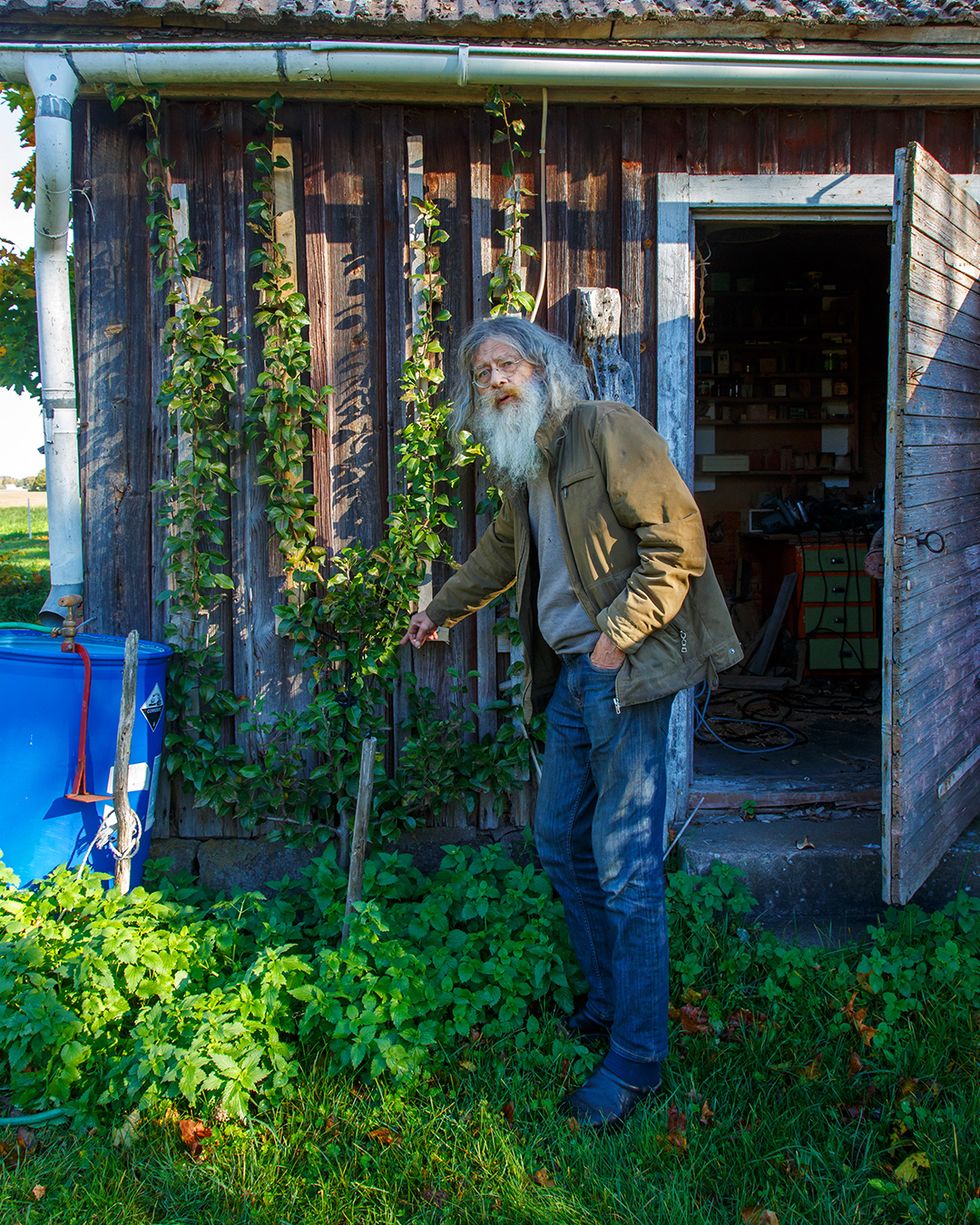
{"x": 635, "y": 549}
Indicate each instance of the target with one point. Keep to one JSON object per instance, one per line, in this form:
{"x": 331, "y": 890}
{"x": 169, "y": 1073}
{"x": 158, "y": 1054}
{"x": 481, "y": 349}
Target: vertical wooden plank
{"x": 481, "y": 266}
{"x": 415, "y": 164}
{"x": 394, "y": 189}
{"x": 560, "y": 308}
{"x": 359, "y": 453}
{"x": 448, "y": 180}
{"x": 170, "y": 800}
{"x": 319, "y": 300}
{"x": 975, "y": 167}
{"x": 665, "y": 139}
{"x": 839, "y": 141}
{"x": 915, "y": 126}
{"x": 803, "y": 141}
{"x": 194, "y": 144}
{"x": 731, "y": 141}
{"x": 638, "y": 260}
{"x": 114, "y": 391}
{"x": 697, "y": 140}
{"x": 594, "y": 154}
{"x": 675, "y": 414}
{"x": 264, "y": 668}
{"x": 767, "y": 140}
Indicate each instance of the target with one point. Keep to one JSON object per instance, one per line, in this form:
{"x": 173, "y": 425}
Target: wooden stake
{"x": 125, "y": 817}
{"x": 365, "y": 789}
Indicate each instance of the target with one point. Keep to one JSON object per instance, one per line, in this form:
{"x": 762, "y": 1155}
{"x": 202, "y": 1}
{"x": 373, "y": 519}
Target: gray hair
{"x": 562, "y": 374}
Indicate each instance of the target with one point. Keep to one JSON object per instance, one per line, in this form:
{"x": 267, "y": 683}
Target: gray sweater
{"x": 565, "y": 625}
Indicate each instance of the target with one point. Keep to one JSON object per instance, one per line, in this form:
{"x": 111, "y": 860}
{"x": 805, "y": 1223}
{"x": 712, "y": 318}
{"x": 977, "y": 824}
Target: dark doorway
{"x": 790, "y": 398}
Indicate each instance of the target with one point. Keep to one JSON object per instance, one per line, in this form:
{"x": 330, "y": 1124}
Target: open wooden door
{"x": 930, "y": 708}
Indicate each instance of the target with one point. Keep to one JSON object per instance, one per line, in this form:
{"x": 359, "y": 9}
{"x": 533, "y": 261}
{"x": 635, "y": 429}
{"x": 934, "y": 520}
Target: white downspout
{"x": 55, "y": 88}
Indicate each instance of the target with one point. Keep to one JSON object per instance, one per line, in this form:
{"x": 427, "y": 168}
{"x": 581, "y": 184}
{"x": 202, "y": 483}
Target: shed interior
{"x": 790, "y": 393}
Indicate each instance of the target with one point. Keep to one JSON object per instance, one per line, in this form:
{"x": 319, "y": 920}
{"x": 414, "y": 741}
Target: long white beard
{"x": 508, "y": 433}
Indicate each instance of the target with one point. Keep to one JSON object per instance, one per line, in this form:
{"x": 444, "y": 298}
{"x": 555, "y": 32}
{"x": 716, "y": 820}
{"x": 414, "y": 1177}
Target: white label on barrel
{"x": 152, "y": 708}
{"x": 137, "y": 779}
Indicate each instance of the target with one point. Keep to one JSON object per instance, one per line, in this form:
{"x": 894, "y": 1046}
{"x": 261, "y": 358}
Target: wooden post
{"x": 597, "y": 319}
{"x": 125, "y": 817}
{"x": 365, "y": 789}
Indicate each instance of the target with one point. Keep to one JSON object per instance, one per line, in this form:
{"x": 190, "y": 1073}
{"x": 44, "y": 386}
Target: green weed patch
{"x": 240, "y": 1065}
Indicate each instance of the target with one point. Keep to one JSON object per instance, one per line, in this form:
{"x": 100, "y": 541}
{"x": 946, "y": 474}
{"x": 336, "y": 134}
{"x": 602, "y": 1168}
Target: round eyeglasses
{"x": 483, "y": 376}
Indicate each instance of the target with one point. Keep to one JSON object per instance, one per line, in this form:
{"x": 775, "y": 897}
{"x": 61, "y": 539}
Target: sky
{"x": 20, "y": 416}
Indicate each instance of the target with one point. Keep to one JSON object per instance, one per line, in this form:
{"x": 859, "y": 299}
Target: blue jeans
{"x": 598, "y": 829}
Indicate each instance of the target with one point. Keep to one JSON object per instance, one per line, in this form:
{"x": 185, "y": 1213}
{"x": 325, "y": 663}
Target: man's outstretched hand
{"x": 421, "y": 629}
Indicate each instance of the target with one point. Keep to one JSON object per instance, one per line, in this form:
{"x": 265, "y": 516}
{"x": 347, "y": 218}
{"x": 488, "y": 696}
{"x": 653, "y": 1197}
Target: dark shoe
{"x": 585, "y": 1027}
{"x": 604, "y": 1101}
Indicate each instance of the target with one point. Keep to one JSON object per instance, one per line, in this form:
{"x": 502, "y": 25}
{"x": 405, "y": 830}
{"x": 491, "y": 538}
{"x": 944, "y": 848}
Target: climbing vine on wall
{"x": 282, "y": 410}
{"x": 344, "y": 619}
{"x": 507, "y": 293}
{"x": 197, "y": 392}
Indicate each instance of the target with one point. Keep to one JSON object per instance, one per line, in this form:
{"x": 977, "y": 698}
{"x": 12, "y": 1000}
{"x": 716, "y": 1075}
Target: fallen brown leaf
{"x": 739, "y": 1021}
{"x": 507, "y": 1110}
{"x": 331, "y": 1126}
{"x": 694, "y": 1020}
{"x": 812, "y": 1069}
{"x": 911, "y": 1168}
{"x": 192, "y": 1132}
{"x": 23, "y": 1145}
{"x": 854, "y": 1064}
{"x": 543, "y": 1178}
{"x": 707, "y": 1115}
{"x": 38, "y": 1191}
{"x": 382, "y": 1135}
{"x": 856, "y": 1017}
{"x": 759, "y": 1216}
{"x": 805, "y": 844}
{"x": 476, "y": 1035}
{"x": 676, "y": 1136}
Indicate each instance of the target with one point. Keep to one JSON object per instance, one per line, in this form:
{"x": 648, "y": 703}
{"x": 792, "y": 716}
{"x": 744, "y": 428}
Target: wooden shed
{"x": 784, "y": 197}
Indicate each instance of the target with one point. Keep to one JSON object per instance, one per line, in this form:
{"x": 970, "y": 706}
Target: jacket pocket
{"x": 573, "y": 478}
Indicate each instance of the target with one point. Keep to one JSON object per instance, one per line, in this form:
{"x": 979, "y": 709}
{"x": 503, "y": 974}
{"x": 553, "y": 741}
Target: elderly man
{"x": 619, "y": 610}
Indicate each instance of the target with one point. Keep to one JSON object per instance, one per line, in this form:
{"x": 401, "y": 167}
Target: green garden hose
{"x": 33, "y": 1120}
{"x": 22, "y": 625}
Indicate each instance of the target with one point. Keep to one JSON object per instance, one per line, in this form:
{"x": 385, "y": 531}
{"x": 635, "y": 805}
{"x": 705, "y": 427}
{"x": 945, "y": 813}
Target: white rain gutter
{"x": 55, "y": 74}
{"x": 212, "y": 65}
{"x": 55, "y": 87}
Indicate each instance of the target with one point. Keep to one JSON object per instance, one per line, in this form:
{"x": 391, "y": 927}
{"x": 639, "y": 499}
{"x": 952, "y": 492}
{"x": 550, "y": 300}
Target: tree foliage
{"x": 19, "y": 361}
{"x": 19, "y": 364}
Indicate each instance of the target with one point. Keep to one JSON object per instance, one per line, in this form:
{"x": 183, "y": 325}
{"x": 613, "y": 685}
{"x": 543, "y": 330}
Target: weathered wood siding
{"x": 351, "y": 223}
{"x": 932, "y": 707}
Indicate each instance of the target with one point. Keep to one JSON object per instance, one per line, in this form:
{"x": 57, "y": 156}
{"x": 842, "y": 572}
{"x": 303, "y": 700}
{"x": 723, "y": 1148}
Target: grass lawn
{"x": 744, "y": 1130}
{"x": 804, "y": 1087}
{"x": 23, "y": 563}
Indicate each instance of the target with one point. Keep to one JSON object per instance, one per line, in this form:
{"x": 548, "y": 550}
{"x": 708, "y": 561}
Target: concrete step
{"x": 834, "y": 882}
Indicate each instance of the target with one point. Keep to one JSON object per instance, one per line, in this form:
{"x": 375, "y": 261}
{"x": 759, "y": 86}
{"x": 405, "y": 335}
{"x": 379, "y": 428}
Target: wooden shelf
{"x": 810, "y": 329}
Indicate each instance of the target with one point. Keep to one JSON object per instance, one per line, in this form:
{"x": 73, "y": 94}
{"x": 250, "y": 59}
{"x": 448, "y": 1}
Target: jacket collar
{"x": 550, "y": 435}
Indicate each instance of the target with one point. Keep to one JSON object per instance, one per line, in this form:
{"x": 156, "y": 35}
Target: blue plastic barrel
{"x": 40, "y": 707}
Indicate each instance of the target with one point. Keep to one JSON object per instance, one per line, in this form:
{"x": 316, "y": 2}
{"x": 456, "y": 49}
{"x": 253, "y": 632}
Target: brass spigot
{"x": 69, "y": 626}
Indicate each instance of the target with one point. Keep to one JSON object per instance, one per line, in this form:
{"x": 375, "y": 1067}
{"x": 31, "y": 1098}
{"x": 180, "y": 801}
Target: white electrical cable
{"x": 543, "y": 200}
